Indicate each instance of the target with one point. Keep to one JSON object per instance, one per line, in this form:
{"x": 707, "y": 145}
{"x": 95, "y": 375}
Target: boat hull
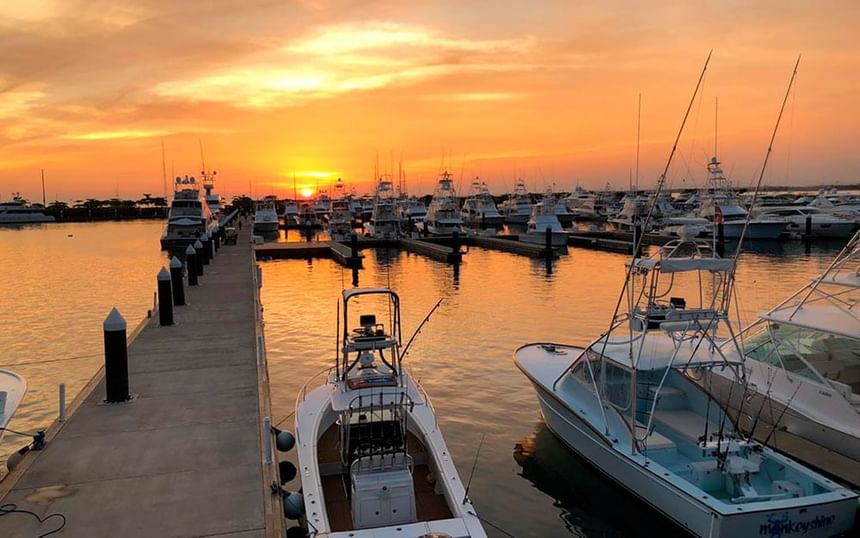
{"x": 266, "y": 227}
{"x": 767, "y": 231}
{"x": 694, "y": 517}
{"x": 25, "y": 219}
{"x": 517, "y": 219}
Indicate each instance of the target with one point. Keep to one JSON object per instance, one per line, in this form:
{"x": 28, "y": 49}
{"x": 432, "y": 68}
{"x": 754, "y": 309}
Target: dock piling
{"x": 198, "y": 258}
{"x": 267, "y": 429}
{"x": 721, "y": 239}
{"x": 62, "y": 402}
{"x": 191, "y": 265}
{"x": 216, "y": 238}
{"x": 207, "y": 249}
{"x": 176, "y": 281}
{"x": 808, "y": 234}
{"x": 547, "y": 243}
{"x": 116, "y": 358}
{"x": 165, "y": 298}
{"x": 455, "y": 242}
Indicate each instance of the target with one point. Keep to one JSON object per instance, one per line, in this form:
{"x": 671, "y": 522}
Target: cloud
{"x": 117, "y": 135}
{"x": 346, "y": 58}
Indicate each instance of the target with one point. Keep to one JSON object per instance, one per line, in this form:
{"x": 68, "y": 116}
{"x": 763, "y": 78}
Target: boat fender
{"x": 287, "y": 471}
{"x": 294, "y": 505}
{"x": 285, "y": 441}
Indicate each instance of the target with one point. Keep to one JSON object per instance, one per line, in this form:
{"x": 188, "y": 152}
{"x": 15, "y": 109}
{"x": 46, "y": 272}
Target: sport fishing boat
{"x": 322, "y": 206}
{"x": 375, "y": 464}
{"x": 189, "y": 216}
{"x": 18, "y": 211}
{"x": 384, "y": 222}
{"x": 518, "y": 207}
{"x": 411, "y": 211}
{"x": 802, "y": 365}
{"x": 340, "y": 222}
{"x": 265, "y": 216}
{"x": 443, "y": 215}
{"x": 479, "y": 209}
{"x": 627, "y": 404}
{"x": 12, "y": 390}
{"x": 720, "y": 203}
{"x": 543, "y": 216}
{"x": 215, "y": 202}
{"x": 292, "y": 216}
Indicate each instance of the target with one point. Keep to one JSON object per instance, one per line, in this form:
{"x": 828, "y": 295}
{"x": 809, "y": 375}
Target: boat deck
{"x": 430, "y": 506}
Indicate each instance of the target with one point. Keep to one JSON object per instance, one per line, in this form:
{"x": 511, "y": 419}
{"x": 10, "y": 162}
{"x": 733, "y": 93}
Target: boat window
{"x": 809, "y": 353}
{"x": 617, "y": 385}
{"x": 582, "y": 372}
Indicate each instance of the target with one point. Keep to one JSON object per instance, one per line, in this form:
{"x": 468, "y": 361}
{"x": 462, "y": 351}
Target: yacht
{"x": 823, "y": 224}
{"x": 322, "y": 206}
{"x": 518, "y": 207}
{"x": 340, "y": 222}
{"x": 411, "y": 211}
{"x": 292, "y": 214}
{"x": 18, "y": 211}
{"x": 215, "y": 202}
{"x": 265, "y": 216}
{"x": 802, "y": 365}
{"x": 479, "y": 209}
{"x": 12, "y": 390}
{"x": 720, "y": 203}
{"x": 543, "y": 216}
{"x": 627, "y": 403}
{"x": 562, "y": 213}
{"x": 375, "y": 464}
{"x": 443, "y": 215}
{"x": 384, "y": 222}
{"x": 189, "y": 216}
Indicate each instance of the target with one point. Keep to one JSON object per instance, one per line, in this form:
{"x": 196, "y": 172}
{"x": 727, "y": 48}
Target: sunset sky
{"x": 546, "y": 90}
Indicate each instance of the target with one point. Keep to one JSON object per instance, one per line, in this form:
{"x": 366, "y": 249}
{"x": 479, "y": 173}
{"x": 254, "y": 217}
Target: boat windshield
{"x": 810, "y": 353}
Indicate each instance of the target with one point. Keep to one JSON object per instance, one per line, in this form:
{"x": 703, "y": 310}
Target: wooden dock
{"x": 185, "y": 457}
{"x": 432, "y": 250}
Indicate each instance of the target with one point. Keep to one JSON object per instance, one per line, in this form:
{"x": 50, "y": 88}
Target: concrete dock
{"x": 185, "y": 457}
{"x": 432, "y": 250}
{"x": 514, "y": 246}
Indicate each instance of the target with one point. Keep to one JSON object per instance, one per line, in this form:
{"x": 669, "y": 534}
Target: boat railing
{"x": 303, "y": 393}
{"x": 427, "y": 400}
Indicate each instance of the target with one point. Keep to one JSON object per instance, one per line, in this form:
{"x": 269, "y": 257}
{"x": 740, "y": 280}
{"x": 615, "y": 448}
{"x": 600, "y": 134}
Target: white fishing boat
{"x": 384, "y": 221}
{"x": 340, "y": 222}
{"x": 479, "y": 209}
{"x": 719, "y": 203}
{"x": 292, "y": 216}
{"x": 12, "y": 390}
{"x": 411, "y": 211}
{"x": 18, "y": 211}
{"x": 518, "y": 207}
{"x": 374, "y": 462}
{"x": 322, "y": 206}
{"x": 802, "y": 364}
{"x": 627, "y": 404}
{"x": 215, "y": 201}
{"x": 189, "y": 216}
{"x": 443, "y": 215}
{"x": 542, "y": 217}
{"x": 265, "y": 217}
{"x": 822, "y": 224}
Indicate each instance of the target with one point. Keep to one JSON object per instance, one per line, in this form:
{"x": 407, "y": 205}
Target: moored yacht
{"x": 375, "y": 464}
{"x": 18, "y": 211}
{"x": 291, "y": 214}
{"x": 479, "y": 209}
{"x": 628, "y": 405}
{"x": 265, "y": 216}
{"x": 340, "y": 221}
{"x": 821, "y": 222}
{"x": 411, "y": 211}
{"x": 12, "y": 390}
{"x": 518, "y": 207}
{"x": 215, "y": 201}
{"x": 189, "y": 216}
{"x": 443, "y": 215}
{"x": 384, "y": 221}
{"x": 543, "y": 217}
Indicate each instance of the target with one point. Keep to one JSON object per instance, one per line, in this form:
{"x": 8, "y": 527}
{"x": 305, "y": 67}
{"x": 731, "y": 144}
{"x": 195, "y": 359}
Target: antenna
{"x": 202, "y": 160}
{"x": 638, "y": 137}
{"x": 716, "y": 121}
{"x": 44, "y": 201}
{"x": 163, "y": 169}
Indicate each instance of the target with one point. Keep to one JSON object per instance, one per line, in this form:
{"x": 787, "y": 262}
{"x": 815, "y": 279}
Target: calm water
{"x": 57, "y": 289}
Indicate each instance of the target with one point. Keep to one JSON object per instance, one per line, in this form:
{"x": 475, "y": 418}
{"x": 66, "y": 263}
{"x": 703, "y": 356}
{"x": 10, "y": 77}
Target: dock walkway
{"x": 184, "y": 457}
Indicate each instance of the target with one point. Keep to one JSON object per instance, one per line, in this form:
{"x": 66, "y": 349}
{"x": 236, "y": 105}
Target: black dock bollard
{"x": 425, "y": 230}
{"x": 216, "y": 238}
{"x": 198, "y": 247}
{"x": 353, "y": 245}
{"x": 207, "y": 249}
{"x": 808, "y": 234}
{"x": 176, "y": 281}
{"x": 165, "y": 298}
{"x": 210, "y": 243}
{"x": 547, "y": 243}
{"x": 116, "y": 358}
{"x": 455, "y": 241}
{"x": 191, "y": 265}
{"x": 721, "y": 239}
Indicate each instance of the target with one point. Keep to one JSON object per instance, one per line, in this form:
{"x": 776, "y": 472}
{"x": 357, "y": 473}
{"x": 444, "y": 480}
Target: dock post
{"x": 353, "y": 245}
{"x": 116, "y": 358}
{"x": 808, "y": 234}
{"x": 207, "y": 248}
{"x": 216, "y": 238}
{"x": 548, "y": 242}
{"x": 455, "y": 241}
{"x": 165, "y": 298}
{"x": 721, "y": 239}
{"x": 176, "y": 281}
{"x": 62, "y": 402}
{"x": 198, "y": 257}
{"x": 191, "y": 265}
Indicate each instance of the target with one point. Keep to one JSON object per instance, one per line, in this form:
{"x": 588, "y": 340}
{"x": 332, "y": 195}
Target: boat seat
{"x": 685, "y": 423}
{"x": 656, "y": 440}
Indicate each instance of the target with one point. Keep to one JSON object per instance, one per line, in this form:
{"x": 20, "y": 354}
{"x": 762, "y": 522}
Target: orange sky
{"x": 544, "y": 89}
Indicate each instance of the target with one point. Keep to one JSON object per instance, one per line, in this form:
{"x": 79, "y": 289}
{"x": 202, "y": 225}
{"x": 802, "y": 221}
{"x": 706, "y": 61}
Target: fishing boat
{"x": 215, "y": 201}
{"x": 375, "y": 464}
{"x": 18, "y": 211}
{"x": 12, "y": 390}
{"x": 384, "y": 222}
{"x": 627, "y": 404}
{"x": 265, "y": 217}
{"x": 411, "y": 211}
{"x": 322, "y": 206}
{"x": 340, "y": 222}
{"x": 479, "y": 209}
{"x": 189, "y": 216}
{"x": 443, "y": 215}
{"x": 543, "y": 216}
{"x": 517, "y": 208}
{"x": 802, "y": 365}
{"x": 291, "y": 214}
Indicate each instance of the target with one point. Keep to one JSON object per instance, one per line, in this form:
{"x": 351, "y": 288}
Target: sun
{"x": 307, "y": 192}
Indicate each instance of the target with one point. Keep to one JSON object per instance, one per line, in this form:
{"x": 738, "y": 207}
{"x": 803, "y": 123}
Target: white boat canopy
{"x": 686, "y": 264}
{"x": 659, "y": 350}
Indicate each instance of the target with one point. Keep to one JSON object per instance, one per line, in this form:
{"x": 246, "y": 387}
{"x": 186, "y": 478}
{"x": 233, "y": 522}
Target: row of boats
{"x": 671, "y": 402}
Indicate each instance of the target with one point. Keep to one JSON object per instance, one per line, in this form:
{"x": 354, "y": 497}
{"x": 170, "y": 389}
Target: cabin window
{"x": 617, "y": 385}
{"x": 582, "y": 371}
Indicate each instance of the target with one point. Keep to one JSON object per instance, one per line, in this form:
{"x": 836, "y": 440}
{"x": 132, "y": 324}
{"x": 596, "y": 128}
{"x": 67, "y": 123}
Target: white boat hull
{"x": 12, "y": 390}
{"x": 695, "y": 517}
{"x": 757, "y": 230}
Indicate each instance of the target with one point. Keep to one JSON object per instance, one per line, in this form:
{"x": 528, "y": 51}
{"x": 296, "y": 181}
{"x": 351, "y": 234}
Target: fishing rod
{"x": 418, "y": 329}
{"x": 474, "y": 465}
{"x": 761, "y": 407}
{"x": 784, "y": 409}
